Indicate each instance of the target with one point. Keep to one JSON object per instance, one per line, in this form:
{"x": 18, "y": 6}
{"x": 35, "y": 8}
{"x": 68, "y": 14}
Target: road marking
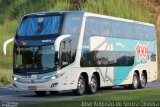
{"x": 10, "y": 88}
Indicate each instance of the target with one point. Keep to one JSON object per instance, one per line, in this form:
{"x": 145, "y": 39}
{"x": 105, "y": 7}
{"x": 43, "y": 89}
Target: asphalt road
{"x": 7, "y": 94}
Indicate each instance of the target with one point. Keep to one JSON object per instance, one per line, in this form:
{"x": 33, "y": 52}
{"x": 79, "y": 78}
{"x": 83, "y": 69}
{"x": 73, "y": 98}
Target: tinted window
{"x": 91, "y": 27}
{"x": 117, "y": 28}
{"x": 102, "y": 58}
{"x": 153, "y": 57}
{"x": 65, "y": 57}
{"x": 72, "y": 24}
{"x": 74, "y": 43}
{"x": 113, "y": 58}
{"x": 126, "y": 59}
{"x": 139, "y": 32}
{"x": 88, "y": 60}
{"x": 107, "y": 59}
{"x": 105, "y": 27}
{"x": 128, "y": 30}
{"x": 68, "y": 51}
{"x": 66, "y": 44}
{"x": 149, "y": 33}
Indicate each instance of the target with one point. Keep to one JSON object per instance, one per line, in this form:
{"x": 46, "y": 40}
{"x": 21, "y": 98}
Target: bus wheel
{"x": 54, "y": 92}
{"x": 92, "y": 87}
{"x": 126, "y": 86}
{"x": 143, "y": 81}
{"x": 40, "y": 93}
{"x": 81, "y": 86}
{"x": 135, "y": 82}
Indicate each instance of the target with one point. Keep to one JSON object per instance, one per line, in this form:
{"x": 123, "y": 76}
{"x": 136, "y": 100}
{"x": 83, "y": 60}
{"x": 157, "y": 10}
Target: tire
{"x": 81, "y": 86}
{"x": 106, "y": 88}
{"x": 40, "y": 93}
{"x": 92, "y": 87}
{"x": 127, "y": 87}
{"x": 143, "y": 81}
{"x": 135, "y": 83}
{"x": 54, "y": 92}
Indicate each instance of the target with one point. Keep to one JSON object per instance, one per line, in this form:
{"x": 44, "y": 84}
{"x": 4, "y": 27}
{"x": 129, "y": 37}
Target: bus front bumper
{"x": 52, "y": 85}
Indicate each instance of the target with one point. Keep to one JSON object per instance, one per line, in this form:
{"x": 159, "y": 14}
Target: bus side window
{"x": 68, "y": 51}
{"x": 105, "y": 27}
{"x": 128, "y": 30}
{"x": 126, "y": 59}
{"x": 72, "y": 24}
{"x": 91, "y": 27}
{"x": 88, "y": 59}
{"x": 149, "y": 33}
{"x": 117, "y": 29}
{"x": 139, "y": 32}
{"x": 65, "y": 49}
{"x": 153, "y": 57}
{"x": 66, "y": 58}
{"x": 113, "y": 58}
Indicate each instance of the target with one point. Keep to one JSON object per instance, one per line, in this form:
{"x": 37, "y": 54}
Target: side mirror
{"x": 58, "y": 41}
{"x": 4, "y": 48}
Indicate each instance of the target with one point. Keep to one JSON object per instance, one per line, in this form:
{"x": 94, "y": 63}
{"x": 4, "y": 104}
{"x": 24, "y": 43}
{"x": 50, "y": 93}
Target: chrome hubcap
{"x": 143, "y": 81}
{"x": 135, "y": 82}
{"x": 81, "y": 86}
{"x": 93, "y": 85}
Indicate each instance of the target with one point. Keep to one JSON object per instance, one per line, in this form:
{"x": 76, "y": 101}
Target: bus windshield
{"x": 41, "y": 25}
{"x": 35, "y": 58}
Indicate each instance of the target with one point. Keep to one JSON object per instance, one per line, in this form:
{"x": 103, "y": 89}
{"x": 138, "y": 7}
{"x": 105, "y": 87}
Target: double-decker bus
{"x": 81, "y": 51}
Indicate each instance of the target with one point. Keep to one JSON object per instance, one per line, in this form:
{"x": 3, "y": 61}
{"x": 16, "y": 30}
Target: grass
{"x": 130, "y": 9}
{"x": 137, "y": 95}
{"x": 60, "y": 5}
{"x": 5, "y": 77}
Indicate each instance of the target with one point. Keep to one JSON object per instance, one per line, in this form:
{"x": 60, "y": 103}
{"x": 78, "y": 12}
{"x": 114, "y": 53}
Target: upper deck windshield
{"x": 39, "y": 25}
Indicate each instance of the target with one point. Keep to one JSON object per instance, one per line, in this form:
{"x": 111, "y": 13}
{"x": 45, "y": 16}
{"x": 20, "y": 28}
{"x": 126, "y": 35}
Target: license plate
{"x": 34, "y": 77}
{"x": 32, "y": 88}
{"x": 40, "y": 76}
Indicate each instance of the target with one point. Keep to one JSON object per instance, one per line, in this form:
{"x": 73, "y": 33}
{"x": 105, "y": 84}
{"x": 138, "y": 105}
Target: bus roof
{"x": 117, "y": 18}
{"x": 55, "y": 12}
{"x": 90, "y": 14}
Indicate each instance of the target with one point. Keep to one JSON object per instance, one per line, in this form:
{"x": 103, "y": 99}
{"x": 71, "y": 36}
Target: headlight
{"x": 57, "y": 76}
{"x": 15, "y": 78}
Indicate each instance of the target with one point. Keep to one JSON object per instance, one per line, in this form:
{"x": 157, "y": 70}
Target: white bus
{"x": 81, "y": 51}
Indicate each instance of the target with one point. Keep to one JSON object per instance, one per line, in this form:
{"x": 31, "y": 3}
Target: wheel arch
{"x": 98, "y": 78}
{"x": 137, "y": 72}
{"x": 85, "y": 75}
{"x": 145, "y": 73}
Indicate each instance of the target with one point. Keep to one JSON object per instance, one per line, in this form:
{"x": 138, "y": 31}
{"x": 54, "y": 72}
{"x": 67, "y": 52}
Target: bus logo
{"x": 142, "y": 51}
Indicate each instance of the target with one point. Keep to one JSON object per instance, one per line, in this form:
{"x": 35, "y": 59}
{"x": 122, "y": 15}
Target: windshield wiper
{"x": 47, "y": 68}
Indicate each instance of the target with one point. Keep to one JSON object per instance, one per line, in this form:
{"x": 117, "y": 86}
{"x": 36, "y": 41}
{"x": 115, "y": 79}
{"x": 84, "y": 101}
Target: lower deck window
{"x": 107, "y": 59}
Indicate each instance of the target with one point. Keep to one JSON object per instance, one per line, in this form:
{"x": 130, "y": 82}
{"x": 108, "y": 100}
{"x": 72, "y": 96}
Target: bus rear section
{"x": 119, "y": 52}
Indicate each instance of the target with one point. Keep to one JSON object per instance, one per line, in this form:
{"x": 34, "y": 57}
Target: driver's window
{"x": 66, "y": 58}
{"x": 68, "y": 49}
{"x": 65, "y": 52}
